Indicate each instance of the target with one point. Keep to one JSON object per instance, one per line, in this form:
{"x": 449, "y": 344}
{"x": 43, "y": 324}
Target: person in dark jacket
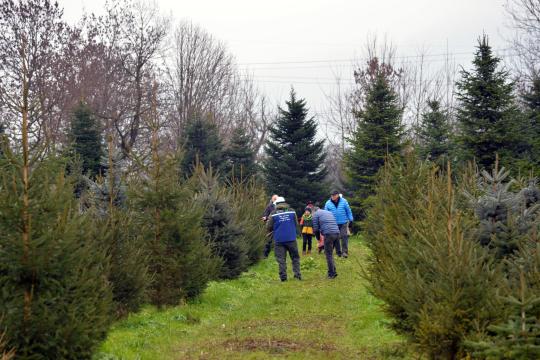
{"x": 338, "y": 206}
{"x": 282, "y": 223}
{"x": 324, "y": 223}
{"x": 269, "y": 208}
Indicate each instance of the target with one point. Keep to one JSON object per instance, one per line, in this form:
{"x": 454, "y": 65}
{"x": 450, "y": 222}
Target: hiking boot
{"x": 298, "y": 277}
{"x": 345, "y": 255}
{"x": 283, "y": 280}
{"x": 332, "y": 276}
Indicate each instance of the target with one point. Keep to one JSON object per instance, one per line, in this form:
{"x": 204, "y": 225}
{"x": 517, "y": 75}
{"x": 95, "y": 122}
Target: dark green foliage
{"x": 294, "y": 167}
{"x": 240, "y": 157}
{"x": 55, "y": 300}
{"x": 201, "y": 145}
{"x": 225, "y": 236}
{"x": 379, "y": 133}
{"x": 85, "y": 135}
{"x": 489, "y": 122}
{"x": 180, "y": 260}
{"x": 433, "y": 134}
{"x": 438, "y": 285}
{"x": 506, "y": 217}
{"x": 249, "y": 199}
{"x": 531, "y": 100}
{"x": 2, "y": 140}
{"x": 120, "y": 236}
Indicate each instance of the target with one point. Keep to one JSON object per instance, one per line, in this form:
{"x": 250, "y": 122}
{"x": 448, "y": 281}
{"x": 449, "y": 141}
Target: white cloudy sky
{"x": 322, "y": 37}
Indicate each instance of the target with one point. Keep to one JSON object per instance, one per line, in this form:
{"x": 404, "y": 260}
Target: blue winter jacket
{"x": 324, "y": 222}
{"x": 342, "y": 212}
{"x": 282, "y": 223}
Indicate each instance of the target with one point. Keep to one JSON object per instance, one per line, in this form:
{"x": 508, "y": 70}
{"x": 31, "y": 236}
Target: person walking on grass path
{"x": 306, "y": 223}
{"x": 282, "y": 224}
{"x": 324, "y": 224}
{"x": 341, "y": 210}
{"x": 269, "y": 208}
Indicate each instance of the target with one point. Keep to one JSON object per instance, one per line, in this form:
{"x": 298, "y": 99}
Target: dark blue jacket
{"x": 342, "y": 212}
{"x": 282, "y": 223}
{"x": 325, "y": 222}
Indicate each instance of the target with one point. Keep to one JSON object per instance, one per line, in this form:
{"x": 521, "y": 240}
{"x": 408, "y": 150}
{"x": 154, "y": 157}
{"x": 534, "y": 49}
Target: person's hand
{"x": 264, "y": 218}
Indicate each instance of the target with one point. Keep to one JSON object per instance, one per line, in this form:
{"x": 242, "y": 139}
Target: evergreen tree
{"x": 531, "y": 100}
{"x": 202, "y": 144}
{"x": 225, "y": 235}
{"x": 2, "y": 139}
{"x": 488, "y": 120}
{"x": 120, "y": 236}
{"x": 294, "y": 167}
{"x": 85, "y": 133}
{"x": 379, "y": 133}
{"x": 240, "y": 157}
{"x": 433, "y": 134}
{"x": 55, "y": 300}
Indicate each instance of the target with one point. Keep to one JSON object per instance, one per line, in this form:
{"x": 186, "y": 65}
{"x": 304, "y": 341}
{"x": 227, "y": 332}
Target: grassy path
{"x": 258, "y": 317}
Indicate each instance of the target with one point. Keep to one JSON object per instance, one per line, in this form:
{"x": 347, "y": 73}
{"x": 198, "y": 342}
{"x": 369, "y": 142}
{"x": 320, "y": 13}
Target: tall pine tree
{"x": 294, "y": 167}
{"x": 240, "y": 157}
{"x": 87, "y": 140}
{"x": 379, "y": 133}
{"x": 202, "y": 144}
{"x": 531, "y": 101}
{"x": 433, "y": 133}
{"x": 488, "y": 119}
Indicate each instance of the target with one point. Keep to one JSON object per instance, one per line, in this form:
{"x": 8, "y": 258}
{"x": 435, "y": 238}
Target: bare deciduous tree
{"x": 525, "y": 20}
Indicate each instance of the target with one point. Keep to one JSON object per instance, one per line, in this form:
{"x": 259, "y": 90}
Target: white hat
{"x": 279, "y": 199}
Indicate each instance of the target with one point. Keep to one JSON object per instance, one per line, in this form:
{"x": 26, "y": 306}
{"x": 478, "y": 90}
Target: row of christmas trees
{"x": 86, "y": 238}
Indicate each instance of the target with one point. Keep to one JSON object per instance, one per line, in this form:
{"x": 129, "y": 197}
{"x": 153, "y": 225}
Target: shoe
{"x": 303, "y": 253}
{"x": 332, "y": 276}
{"x": 309, "y": 252}
{"x": 299, "y": 277}
{"x": 345, "y": 255}
{"x": 283, "y": 280}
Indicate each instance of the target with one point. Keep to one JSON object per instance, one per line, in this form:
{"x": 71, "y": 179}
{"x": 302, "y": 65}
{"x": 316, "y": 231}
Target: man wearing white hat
{"x": 282, "y": 223}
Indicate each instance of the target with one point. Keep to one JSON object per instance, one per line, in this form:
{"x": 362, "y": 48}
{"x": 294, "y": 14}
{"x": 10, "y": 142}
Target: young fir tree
{"x": 201, "y": 145}
{"x": 55, "y": 300}
{"x": 531, "y": 100}
{"x": 433, "y": 134}
{"x": 240, "y": 157}
{"x": 85, "y": 134}
{"x": 294, "y": 166}
{"x": 225, "y": 235}
{"x": 120, "y": 236}
{"x": 378, "y": 134}
{"x": 489, "y": 122}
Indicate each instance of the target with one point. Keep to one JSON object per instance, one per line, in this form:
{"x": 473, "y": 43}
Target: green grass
{"x": 258, "y": 317}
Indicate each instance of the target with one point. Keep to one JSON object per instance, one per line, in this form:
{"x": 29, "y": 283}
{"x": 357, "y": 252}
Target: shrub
{"x": 437, "y": 282}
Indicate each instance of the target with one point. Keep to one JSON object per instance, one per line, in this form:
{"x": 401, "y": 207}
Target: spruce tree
{"x": 379, "y": 133}
{"x": 55, "y": 300}
{"x": 85, "y": 134}
{"x": 240, "y": 157}
{"x": 531, "y": 101}
{"x": 294, "y": 166}
{"x": 489, "y": 122}
{"x": 225, "y": 235}
{"x": 433, "y": 134}
{"x": 201, "y": 144}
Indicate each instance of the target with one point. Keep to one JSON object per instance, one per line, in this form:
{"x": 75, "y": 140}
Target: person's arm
{"x": 326, "y": 206}
{"x": 349, "y": 212}
{"x": 316, "y": 226}
{"x": 270, "y": 224}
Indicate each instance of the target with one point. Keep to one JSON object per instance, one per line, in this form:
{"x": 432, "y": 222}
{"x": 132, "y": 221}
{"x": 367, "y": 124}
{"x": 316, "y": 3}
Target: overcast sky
{"x": 322, "y": 37}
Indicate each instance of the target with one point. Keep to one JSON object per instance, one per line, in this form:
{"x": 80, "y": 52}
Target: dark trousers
{"x": 281, "y": 249}
{"x": 344, "y": 235}
{"x": 331, "y": 241}
{"x": 306, "y": 242}
{"x": 268, "y": 245}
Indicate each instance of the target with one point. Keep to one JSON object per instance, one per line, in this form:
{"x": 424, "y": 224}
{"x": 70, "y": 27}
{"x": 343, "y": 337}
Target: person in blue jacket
{"x": 324, "y": 223}
{"x": 282, "y": 224}
{"x": 341, "y": 210}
